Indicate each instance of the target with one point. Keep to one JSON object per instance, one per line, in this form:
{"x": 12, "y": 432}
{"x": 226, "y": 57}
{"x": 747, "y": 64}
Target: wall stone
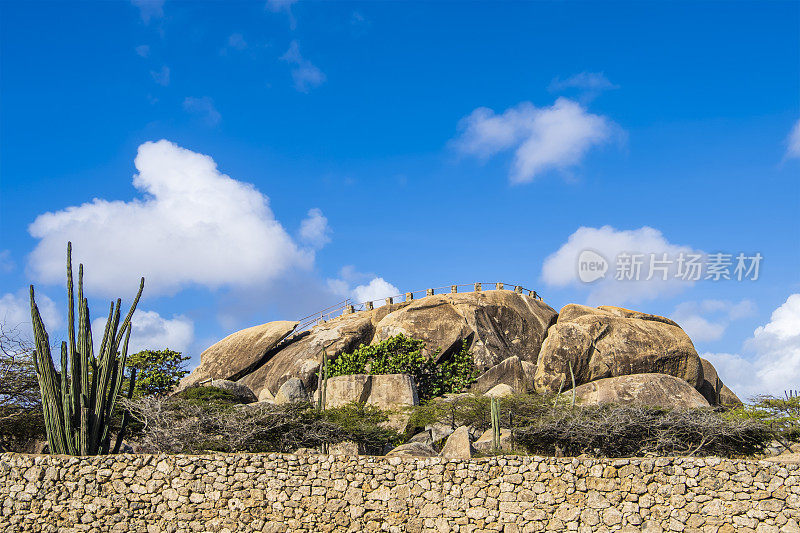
{"x": 311, "y": 493}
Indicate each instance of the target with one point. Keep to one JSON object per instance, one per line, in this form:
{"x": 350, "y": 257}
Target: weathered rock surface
{"x": 242, "y": 392}
{"x": 390, "y": 392}
{"x": 497, "y": 324}
{"x": 658, "y": 390}
{"x": 484, "y": 442}
{"x": 412, "y": 449}
{"x": 291, "y": 391}
{"x": 611, "y": 341}
{"x": 713, "y": 389}
{"x": 498, "y": 391}
{"x": 238, "y": 353}
{"x": 301, "y": 358}
{"x": 458, "y": 445}
{"x": 514, "y": 372}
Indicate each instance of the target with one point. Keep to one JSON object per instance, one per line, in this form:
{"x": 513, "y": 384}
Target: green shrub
{"x": 158, "y": 371}
{"x": 203, "y": 395}
{"x": 403, "y": 355}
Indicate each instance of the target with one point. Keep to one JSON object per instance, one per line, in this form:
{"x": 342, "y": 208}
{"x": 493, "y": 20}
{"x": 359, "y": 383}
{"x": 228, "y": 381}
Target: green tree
{"x": 158, "y": 371}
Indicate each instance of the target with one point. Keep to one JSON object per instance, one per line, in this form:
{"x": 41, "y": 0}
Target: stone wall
{"x": 250, "y": 492}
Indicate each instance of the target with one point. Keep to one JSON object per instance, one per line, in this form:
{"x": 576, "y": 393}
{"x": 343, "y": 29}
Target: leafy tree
{"x": 403, "y": 355}
{"x": 21, "y": 419}
{"x": 158, "y": 371}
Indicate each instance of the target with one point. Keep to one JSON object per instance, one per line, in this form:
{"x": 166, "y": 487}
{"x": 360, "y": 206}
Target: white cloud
{"x": 590, "y": 81}
{"x": 150, "y": 331}
{"x": 774, "y": 366}
{"x": 314, "y": 229}
{"x": 143, "y": 50}
{"x": 204, "y": 107}
{"x": 546, "y": 138}
{"x": 15, "y": 312}
{"x": 191, "y": 225}
{"x": 161, "y": 77}
{"x": 560, "y": 269}
{"x": 707, "y": 320}
{"x": 793, "y": 142}
{"x": 374, "y": 291}
{"x": 149, "y": 9}
{"x": 306, "y": 76}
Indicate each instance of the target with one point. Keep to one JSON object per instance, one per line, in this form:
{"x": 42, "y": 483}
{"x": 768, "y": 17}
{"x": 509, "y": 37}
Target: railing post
{"x": 409, "y": 296}
{"x": 368, "y": 306}
{"x": 477, "y": 287}
{"x": 429, "y": 292}
{"x": 454, "y": 289}
{"x": 518, "y": 289}
{"x": 389, "y": 300}
{"x": 498, "y": 286}
{"x": 348, "y": 310}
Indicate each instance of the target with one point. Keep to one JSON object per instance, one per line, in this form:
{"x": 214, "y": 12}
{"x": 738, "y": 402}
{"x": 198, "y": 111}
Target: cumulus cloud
{"x": 361, "y": 287}
{"x": 793, "y": 142}
{"x": 543, "y": 138}
{"x": 306, "y": 76}
{"x": 15, "y": 312}
{"x": 192, "y": 224}
{"x": 149, "y": 9}
{"x": 161, "y": 77}
{"x": 707, "y": 320}
{"x": 561, "y": 268}
{"x": 143, "y": 50}
{"x": 314, "y": 229}
{"x": 589, "y": 81}
{"x": 150, "y": 331}
{"x": 203, "y": 107}
{"x": 772, "y": 363}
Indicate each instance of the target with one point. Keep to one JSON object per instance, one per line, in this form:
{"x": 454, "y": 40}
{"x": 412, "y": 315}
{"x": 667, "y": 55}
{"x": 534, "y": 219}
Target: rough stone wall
{"x": 250, "y": 492}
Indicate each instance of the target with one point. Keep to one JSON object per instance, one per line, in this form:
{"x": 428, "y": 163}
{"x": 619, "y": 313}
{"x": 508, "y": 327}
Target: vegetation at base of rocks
{"x": 216, "y": 424}
{"x": 549, "y": 425}
{"x": 403, "y": 355}
{"x": 782, "y": 415}
{"x": 202, "y": 395}
{"x": 157, "y": 371}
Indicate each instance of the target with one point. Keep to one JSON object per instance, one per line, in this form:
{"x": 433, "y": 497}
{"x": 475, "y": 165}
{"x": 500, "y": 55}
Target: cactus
{"x": 323, "y": 381}
{"x": 572, "y": 376}
{"x": 78, "y": 401}
{"x": 495, "y": 409}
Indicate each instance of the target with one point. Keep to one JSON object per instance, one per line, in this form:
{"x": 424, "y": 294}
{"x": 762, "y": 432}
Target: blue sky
{"x": 363, "y": 148}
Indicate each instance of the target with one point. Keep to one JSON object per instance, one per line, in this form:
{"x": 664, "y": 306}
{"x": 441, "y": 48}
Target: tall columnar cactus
{"x": 495, "y": 409}
{"x": 323, "y": 381}
{"x": 79, "y": 400}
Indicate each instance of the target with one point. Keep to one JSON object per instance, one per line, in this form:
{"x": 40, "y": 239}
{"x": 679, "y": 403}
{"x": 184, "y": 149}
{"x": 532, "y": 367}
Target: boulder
{"x": 714, "y": 390}
{"x": 496, "y": 324}
{"x": 458, "y": 445}
{"x": 611, "y": 341}
{"x": 512, "y": 371}
{"x": 658, "y": 390}
{"x": 266, "y": 396}
{"x": 425, "y": 437}
{"x": 301, "y": 357}
{"x": 412, "y": 449}
{"x": 390, "y": 392}
{"x": 291, "y": 391}
{"x": 242, "y": 392}
{"x": 484, "y": 442}
{"x": 498, "y": 391}
{"x": 239, "y": 353}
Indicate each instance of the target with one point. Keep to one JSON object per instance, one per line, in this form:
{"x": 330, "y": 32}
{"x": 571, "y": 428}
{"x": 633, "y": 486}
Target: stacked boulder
{"x": 518, "y": 343}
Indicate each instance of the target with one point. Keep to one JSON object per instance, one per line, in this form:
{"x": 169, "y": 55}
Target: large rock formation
{"x": 513, "y": 372}
{"x": 611, "y": 341}
{"x": 239, "y": 353}
{"x": 714, "y": 390}
{"x": 497, "y": 324}
{"x": 659, "y": 390}
{"x": 390, "y": 392}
